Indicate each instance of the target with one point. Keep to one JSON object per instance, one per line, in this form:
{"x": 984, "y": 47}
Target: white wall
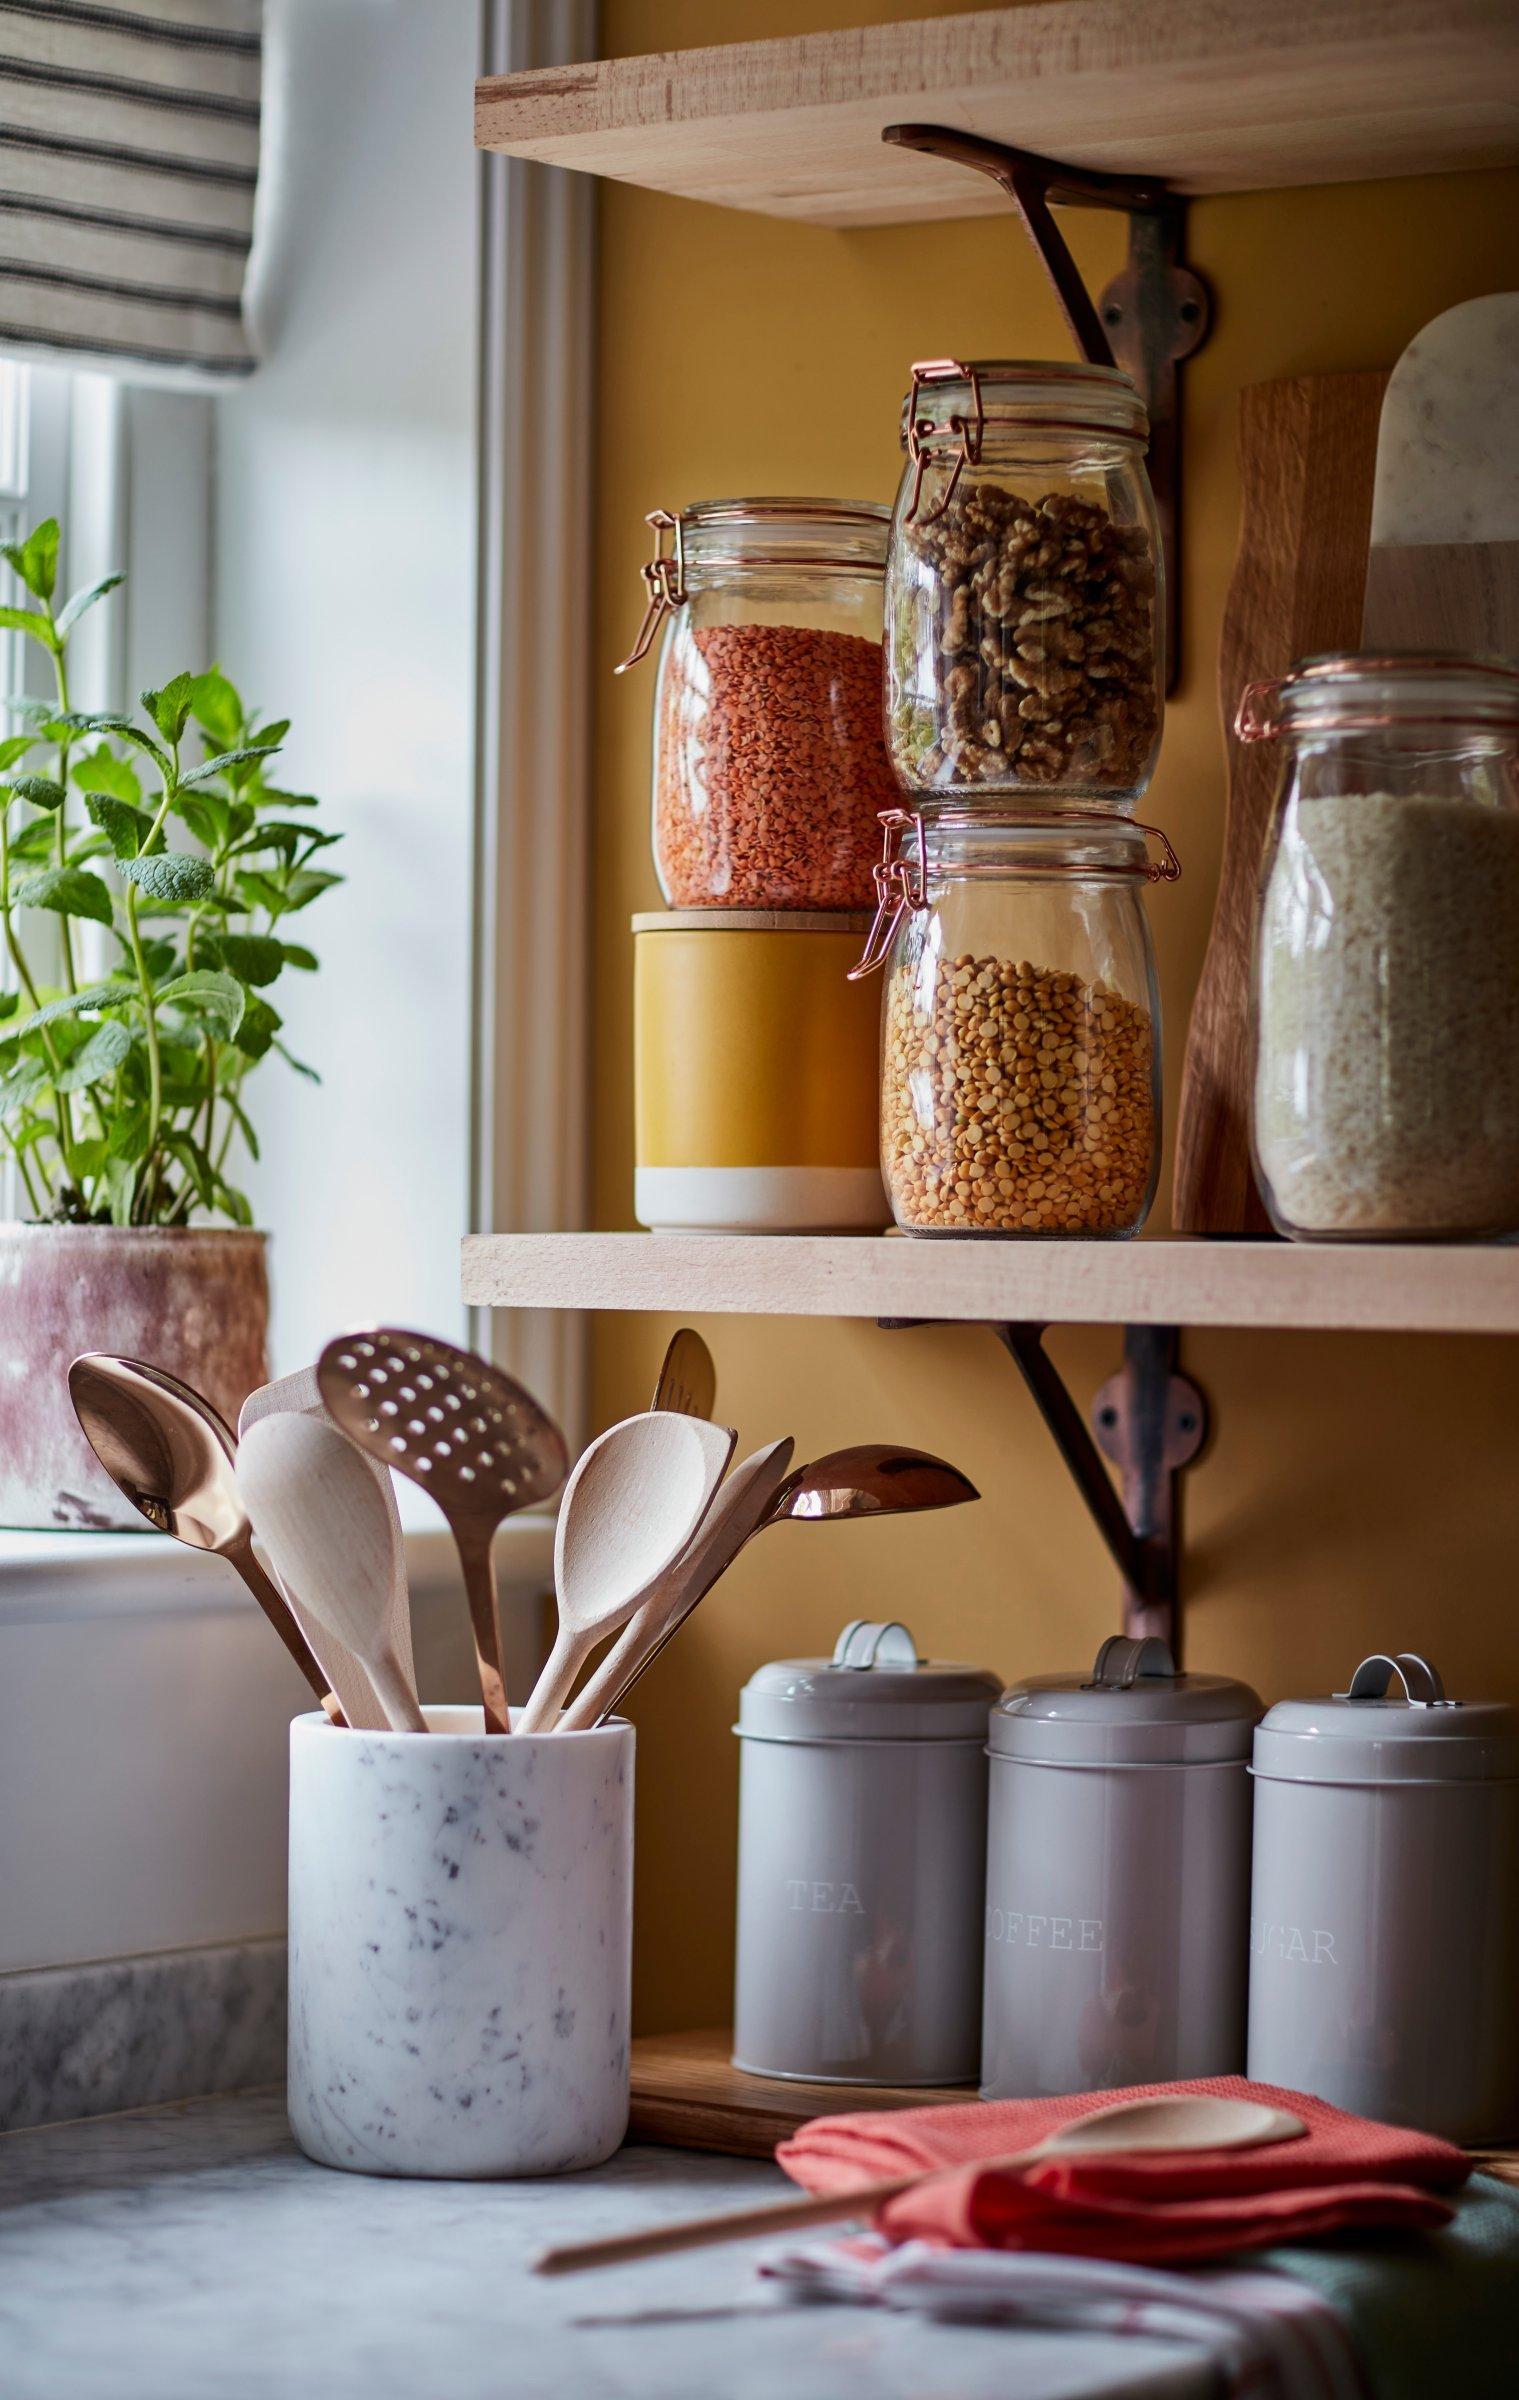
{"x": 343, "y": 596}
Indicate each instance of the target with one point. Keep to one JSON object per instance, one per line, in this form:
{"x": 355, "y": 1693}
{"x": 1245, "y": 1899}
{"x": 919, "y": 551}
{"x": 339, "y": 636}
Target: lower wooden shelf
{"x": 688, "y": 2093}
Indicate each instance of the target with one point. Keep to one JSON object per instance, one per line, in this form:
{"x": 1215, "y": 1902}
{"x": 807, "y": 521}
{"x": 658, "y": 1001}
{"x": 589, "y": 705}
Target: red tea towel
{"x": 1344, "y": 2171}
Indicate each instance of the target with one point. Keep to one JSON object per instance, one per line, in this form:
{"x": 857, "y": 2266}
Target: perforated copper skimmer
{"x": 465, "y": 1432}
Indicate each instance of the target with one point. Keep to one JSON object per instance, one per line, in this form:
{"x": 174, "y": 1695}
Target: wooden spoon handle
{"x": 394, "y": 1693}
{"x": 548, "y": 1693}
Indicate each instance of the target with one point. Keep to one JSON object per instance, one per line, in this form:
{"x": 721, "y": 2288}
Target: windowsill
{"x": 112, "y": 1574}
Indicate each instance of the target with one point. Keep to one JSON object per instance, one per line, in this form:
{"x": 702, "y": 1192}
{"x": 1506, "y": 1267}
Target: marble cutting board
{"x": 1444, "y": 566}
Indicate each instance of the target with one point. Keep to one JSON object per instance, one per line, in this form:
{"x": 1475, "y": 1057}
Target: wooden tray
{"x": 687, "y": 2092}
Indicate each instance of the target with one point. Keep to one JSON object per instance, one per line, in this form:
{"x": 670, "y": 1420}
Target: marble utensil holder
{"x": 460, "y": 1947}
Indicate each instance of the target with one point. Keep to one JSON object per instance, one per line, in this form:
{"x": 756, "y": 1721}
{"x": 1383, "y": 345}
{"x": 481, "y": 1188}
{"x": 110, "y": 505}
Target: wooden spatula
{"x": 1306, "y": 453}
{"x": 1444, "y": 566}
{"x": 297, "y": 1395}
{"x": 326, "y": 1527}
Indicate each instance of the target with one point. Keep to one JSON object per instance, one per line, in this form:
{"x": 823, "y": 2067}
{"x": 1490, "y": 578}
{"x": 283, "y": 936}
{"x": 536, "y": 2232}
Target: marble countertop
{"x": 191, "y": 2253}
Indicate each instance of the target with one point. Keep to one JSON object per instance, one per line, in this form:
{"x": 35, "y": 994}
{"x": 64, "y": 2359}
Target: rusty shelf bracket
{"x": 1152, "y": 315}
{"x": 1151, "y": 1421}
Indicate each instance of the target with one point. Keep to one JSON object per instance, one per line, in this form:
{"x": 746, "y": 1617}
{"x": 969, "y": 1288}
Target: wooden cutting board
{"x": 687, "y": 2092}
{"x": 1307, "y": 452}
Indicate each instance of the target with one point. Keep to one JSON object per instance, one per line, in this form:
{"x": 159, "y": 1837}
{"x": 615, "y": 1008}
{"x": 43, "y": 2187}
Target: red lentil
{"x": 771, "y": 769}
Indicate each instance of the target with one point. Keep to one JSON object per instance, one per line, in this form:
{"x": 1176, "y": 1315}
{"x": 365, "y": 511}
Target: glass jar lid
{"x": 875, "y": 1688}
{"x": 1377, "y": 691}
{"x": 954, "y": 402}
{"x": 1134, "y": 1709}
{"x": 1371, "y": 1733}
{"x": 699, "y": 544}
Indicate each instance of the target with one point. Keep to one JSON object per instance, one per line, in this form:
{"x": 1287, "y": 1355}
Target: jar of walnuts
{"x": 1024, "y": 614}
{"x": 1020, "y": 1072}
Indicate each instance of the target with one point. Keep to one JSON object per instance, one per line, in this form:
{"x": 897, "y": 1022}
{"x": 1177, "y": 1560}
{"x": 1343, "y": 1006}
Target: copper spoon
{"x": 867, "y": 1481}
{"x": 1163, "y": 2121}
{"x": 169, "y": 1452}
{"x": 465, "y": 1432}
{"x": 687, "y": 1382}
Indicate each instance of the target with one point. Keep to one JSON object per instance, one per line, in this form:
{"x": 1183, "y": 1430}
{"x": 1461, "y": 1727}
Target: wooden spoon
{"x": 465, "y": 1432}
{"x": 329, "y": 1534}
{"x": 171, "y": 1454}
{"x": 1167, "y": 2121}
{"x": 298, "y": 1394}
{"x": 740, "y": 1508}
{"x": 629, "y": 1509}
{"x": 866, "y": 1481}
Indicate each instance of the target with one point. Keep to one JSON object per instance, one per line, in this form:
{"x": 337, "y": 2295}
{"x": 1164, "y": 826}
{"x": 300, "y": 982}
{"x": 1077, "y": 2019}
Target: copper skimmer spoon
{"x": 687, "y": 1382}
{"x": 465, "y": 1432}
{"x": 168, "y": 1451}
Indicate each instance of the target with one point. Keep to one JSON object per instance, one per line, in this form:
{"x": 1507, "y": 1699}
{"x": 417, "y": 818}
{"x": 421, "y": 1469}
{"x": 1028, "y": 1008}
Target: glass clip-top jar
{"x": 770, "y": 760}
{"x": 1020, "y": 1071}
{"x": 1024, "y": 613}
{"x": 1386, "y": 989}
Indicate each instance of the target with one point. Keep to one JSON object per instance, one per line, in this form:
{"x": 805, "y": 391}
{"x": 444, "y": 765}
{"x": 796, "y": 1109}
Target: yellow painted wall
{"x": 1361, "y": 1493}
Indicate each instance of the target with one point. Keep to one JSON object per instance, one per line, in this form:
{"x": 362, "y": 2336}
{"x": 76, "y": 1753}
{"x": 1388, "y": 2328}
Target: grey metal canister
{"x": 1118, "y": 1867}
{"x": 861, "y": 1864}
{"x": 1384, "y": 1913}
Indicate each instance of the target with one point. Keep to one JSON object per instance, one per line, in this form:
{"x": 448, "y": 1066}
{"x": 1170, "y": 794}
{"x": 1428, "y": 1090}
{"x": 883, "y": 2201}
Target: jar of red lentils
{"x": 1025, "y": 624}
{"x": 1020, "y": 1071}
{"x": 769, "y": 746}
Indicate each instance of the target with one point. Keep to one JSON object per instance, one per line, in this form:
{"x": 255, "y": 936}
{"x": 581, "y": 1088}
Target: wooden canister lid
{"x": 752, "y": 920}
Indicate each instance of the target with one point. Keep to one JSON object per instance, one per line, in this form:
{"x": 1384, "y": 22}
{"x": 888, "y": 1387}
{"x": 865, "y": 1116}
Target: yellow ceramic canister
{"x": 756, "y": 1073}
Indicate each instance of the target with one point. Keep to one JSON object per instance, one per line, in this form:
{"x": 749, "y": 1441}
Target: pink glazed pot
{"x": 194, "y": 1301}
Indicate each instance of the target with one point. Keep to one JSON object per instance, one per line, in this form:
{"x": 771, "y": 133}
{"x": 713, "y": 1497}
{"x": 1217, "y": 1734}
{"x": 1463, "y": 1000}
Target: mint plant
{"x": 122, "y": 1097}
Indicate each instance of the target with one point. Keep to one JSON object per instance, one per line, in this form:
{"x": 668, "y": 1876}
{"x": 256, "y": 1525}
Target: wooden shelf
{"x": 1270, "y": 1285}
{"x": 687, "y": 2092}
{"x": 1218, "y": 95}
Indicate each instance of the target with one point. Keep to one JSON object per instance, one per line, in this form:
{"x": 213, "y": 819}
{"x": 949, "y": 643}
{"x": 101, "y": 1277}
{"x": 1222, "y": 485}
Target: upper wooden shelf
{"x": 1218, "y": 95}
{"x": 1270, "y": 1285}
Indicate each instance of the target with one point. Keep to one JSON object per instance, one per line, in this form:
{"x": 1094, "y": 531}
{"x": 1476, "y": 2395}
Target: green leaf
{"x": 296, "y": 955}
{"x": 40, "y": 790}
{"x": 259, "y": 1026}
{"x": 170, "y": 708}
{"x": 73, "y": 609}
{"x": 37, "y": 839}
{"x": 236, "y": 1204}
{"x": 102, "y": 771}
{"x": 239, "y": 1116}
{"x": 121, "y": 1188}
{"x": 171, "y": 875}
{"x": 126, "y": 731}
{"x": 270, "y": 796}
{"x": 214, "y": 704}
{"x": 209, "y": 994}
{"x": 15, "y": 747}
{"x": 128, "y": 1138}
{"x": 210, "y": 768}
{"x": 126, "y": 828}
{"x": 69, "y": 892}
{"x": 9, "y": 1003}
{"x": 259, "y": 891}
{"x": 299, "y": 1065}
{"x": 25, "y": 1079}
{"x": 27, "y": 620}
{"x": 273, "y": 834}
{"x": 256, "y": 957}
{"x": 205, "y": 815}
{"x": 196, "y": 1164}
{"x": 36, "y": 559}
{"x": 98, "y": 1058}
{"x": 308, "y": 884}
{"x": 73, "y": 1004}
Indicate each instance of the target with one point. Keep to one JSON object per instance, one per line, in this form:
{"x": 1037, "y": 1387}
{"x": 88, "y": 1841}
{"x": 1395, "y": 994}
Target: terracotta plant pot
{"x": 194, "y": 1301}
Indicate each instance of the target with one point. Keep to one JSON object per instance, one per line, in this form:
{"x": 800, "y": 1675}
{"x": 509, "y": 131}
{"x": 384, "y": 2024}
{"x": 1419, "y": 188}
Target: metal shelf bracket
{"x": 1152, "y": 315}
{"x": 1151, "y": 1420}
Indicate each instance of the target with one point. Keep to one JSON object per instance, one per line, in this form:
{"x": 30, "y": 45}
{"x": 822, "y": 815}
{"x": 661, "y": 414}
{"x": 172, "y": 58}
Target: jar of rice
{"x": 1386, "y": 985}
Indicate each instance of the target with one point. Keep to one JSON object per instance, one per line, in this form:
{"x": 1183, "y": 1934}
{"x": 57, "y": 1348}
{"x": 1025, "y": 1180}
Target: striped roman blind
{"x": 128, "y": 160}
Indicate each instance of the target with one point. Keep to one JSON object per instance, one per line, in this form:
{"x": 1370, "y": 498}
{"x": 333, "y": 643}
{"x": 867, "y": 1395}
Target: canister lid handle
{"x": 867, "y": 1642}
{"x": 1123, "y": 1659}
{"x": 1422, "y": 1684}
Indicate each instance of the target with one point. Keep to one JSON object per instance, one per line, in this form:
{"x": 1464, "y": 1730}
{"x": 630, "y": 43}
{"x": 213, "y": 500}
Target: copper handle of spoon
{"x": 276, "y": 1609}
